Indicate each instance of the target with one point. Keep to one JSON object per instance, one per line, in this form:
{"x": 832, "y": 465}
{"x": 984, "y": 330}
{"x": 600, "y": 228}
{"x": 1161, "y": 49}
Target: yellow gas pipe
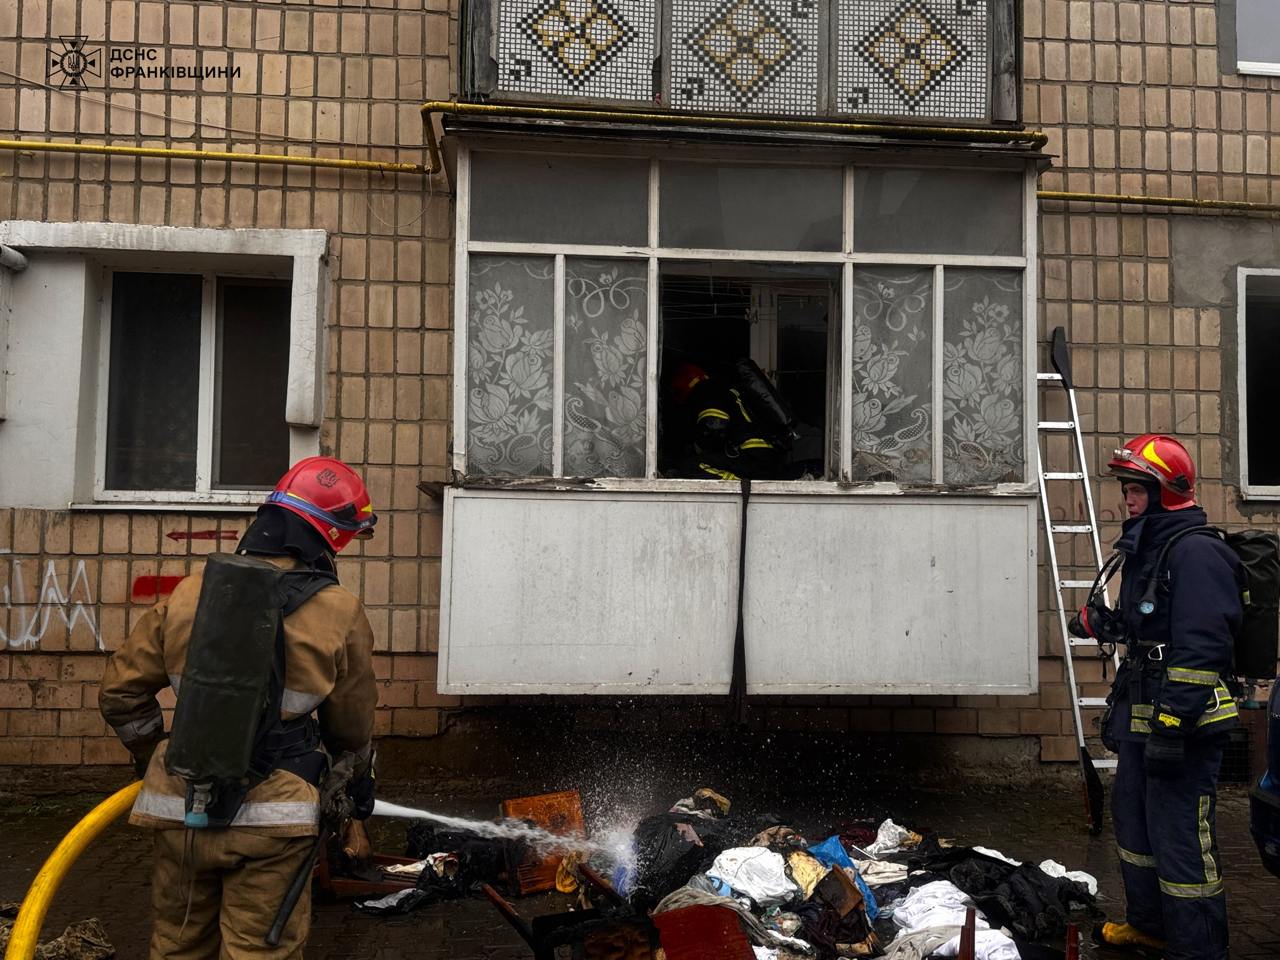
{"x": 225, "y": 156}
{"x": 25, "y": 934}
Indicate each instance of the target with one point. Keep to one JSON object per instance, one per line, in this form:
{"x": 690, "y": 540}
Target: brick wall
{"x": 1130, "y": 94}
{"x": 1134, "y": 102}
{"x": 343, "y": 80}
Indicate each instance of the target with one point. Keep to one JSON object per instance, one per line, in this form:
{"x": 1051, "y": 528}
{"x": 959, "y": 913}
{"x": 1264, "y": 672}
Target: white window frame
{"x": 655, "y": 254}
{"x": 208, "y": 393}
{"x": 1259, "y": 68}
{"x": 200, "y": 250}
{"x": 1251, "y": 491}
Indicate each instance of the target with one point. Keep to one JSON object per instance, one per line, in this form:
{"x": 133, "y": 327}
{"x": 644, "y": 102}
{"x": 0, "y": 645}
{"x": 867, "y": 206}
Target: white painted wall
{"x": 38, "y": 437}
{"x": 628, "y": 593}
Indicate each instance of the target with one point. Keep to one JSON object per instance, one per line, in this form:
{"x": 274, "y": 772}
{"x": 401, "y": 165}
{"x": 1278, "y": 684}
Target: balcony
{"x": 900, "y": 61}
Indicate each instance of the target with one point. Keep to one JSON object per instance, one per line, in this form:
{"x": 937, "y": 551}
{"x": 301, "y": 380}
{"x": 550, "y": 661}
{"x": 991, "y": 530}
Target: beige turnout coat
{"x": 328, "y": 668}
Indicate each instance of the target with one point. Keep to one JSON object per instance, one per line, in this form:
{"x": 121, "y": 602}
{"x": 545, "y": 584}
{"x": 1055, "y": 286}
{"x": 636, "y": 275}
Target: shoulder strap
{"x": 1160, "y": 575}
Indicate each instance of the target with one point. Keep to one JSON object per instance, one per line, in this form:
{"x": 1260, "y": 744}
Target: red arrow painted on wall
{"x": 151, "y": 586}
{"x": 203, "y": 535}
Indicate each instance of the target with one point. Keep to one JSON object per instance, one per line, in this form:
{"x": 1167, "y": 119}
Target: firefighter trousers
{"x": 216, "y": 893}
{"x": 1168, "y": 846}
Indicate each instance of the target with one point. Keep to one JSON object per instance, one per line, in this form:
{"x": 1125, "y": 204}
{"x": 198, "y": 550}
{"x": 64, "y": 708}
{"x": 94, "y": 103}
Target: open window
{"x": 1259, "y": 345}
{"x": 713, "y": 319}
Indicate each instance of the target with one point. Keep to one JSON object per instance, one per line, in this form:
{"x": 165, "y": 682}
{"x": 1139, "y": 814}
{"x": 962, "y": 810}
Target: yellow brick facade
{"x": 1130, "y": 94}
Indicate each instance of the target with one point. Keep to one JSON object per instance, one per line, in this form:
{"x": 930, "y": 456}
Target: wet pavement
{"x": 111, "y": 881}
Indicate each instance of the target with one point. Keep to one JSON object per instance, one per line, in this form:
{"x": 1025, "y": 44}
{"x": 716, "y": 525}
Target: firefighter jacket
{"x": 1181, "y": 652}
{"x": 328, "y": 668}
{"x": 730, "y": 439}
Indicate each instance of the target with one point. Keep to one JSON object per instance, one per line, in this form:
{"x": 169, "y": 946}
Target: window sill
{"x": 1261, "y": 495}
{"x": 172, "y": 506}
{"x": 1253, "y": 68}
{"x": 762, "y": 487}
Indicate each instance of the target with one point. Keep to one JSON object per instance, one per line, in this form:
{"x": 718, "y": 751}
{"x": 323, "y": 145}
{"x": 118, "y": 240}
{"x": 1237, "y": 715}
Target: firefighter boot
{"x": 1127, "y": 937}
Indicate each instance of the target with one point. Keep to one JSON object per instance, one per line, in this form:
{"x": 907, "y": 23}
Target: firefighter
{"x": 1169, "y": 710}
{"x": 732, "y": 437}
{"x": 216, "y": 890}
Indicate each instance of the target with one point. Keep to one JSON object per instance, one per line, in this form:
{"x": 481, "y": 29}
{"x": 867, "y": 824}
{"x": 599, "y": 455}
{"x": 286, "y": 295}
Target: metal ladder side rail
{"x": 1068, "y": 644}
{"x": 1062, "y": 365}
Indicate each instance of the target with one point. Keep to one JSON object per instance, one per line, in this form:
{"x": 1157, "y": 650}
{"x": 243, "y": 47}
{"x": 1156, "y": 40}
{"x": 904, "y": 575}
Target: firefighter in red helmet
{"x": 216, "y": 888}
{"x": 1170, "y": 709}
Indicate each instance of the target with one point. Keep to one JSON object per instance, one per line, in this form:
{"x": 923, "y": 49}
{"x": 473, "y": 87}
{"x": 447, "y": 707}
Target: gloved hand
{"x": 142, "y": 753}
{"x": 360, "y": 790}
{"x": 1165, "y": 755}
{"x": 140, "y": 765}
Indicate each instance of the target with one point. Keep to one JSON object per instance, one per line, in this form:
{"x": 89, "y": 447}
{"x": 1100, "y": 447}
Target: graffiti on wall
{"x": 33, "y": 601}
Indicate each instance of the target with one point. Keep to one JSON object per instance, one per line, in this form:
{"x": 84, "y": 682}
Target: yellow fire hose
{"x": 26, "y": 930}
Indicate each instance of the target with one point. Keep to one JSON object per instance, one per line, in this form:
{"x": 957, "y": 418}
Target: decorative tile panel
{"x": 577, "y": 48}
{"x": 744, "y": 56}
{"x": 915, "y": 58}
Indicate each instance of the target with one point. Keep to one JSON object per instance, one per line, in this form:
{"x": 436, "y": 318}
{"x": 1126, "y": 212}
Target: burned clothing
{"x": 1023, "y": 898}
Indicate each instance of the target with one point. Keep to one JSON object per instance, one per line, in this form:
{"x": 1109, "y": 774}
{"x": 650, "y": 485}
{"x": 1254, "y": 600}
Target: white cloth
{"x": 937, "y": 904}
{"x": 997, "y": 855}
{"x": 877, "y": 873}
{"x": 757, "y": 872}
{"x": 765, "y": 953}
{"x": 889, "y": 838}
{"x": 1054, "y": 869}
{"x": 987, "y": 945}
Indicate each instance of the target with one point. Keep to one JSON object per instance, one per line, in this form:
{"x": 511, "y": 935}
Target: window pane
{"x": 606, "y": 339}
{"x": 937, "y": 211}
{"x": 893, "y": 374}
{"x": 154, "y": 383}
{"x": 982, "y": 386}
{"x": 253, "y": 377}
{"x": 712, "y": 206}
{"x": 509, "y": 366}
{"x": 536, "y": 198}
{"x": 1258, "y": 31}
{"x": 1262, "y": 360}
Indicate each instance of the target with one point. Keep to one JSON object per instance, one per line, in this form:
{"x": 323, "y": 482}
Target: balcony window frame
{"x": 655, "y": 255}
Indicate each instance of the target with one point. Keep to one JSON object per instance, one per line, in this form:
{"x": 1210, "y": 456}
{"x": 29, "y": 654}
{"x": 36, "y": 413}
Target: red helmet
{"x": 330, "y": 496}
{"x": 1155, "y": 457}
{"x": 686, "y": 377}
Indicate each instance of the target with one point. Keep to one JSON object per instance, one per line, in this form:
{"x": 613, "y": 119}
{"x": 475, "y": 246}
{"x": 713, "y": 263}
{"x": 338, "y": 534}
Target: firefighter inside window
{"x": 744, "y": 374}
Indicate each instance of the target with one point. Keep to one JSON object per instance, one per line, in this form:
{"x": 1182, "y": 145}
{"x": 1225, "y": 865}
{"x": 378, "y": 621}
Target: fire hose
{"x": 25, "y": 934}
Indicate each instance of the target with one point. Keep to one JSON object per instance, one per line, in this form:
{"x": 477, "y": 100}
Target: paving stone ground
{"x": 111, "y": 881}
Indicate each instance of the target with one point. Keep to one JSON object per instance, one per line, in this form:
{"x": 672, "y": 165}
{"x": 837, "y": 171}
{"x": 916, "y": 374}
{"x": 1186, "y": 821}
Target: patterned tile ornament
{"x": 754, "y": 56}
{"x": 577, "y": 48}
{"x": 918, "y": 58}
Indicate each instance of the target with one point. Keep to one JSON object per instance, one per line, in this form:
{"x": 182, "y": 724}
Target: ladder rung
{"x": 1076, "y": 584}
{"x": 1091, "y": 701}
{"x": 1057, "y": 425}
{"x": 1106, "y": 763}
{"x": 1052, "y": 377}
{"x": 1071, "y": 528}
{"x": 1071, "y": 475}
{"x": 1083, "y": 642}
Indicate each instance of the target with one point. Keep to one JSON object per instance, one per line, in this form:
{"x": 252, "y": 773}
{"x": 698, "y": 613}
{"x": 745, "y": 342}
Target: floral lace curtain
{"x": 509, "y": 365}
{"x": 605, "y": 341}
{"x": 893, "y": 374}
{"x": 982, "y": 407}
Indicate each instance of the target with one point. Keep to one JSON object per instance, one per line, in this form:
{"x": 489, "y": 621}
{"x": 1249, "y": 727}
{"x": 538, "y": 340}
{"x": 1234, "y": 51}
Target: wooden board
{"x": 560, "y": 813}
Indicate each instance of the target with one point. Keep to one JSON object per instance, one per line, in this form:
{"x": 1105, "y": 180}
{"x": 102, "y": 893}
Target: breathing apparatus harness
{"x": 228, "y": 733}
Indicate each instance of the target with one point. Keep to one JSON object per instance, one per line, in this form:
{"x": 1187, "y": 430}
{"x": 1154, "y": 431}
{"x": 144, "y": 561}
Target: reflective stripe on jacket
{"x": 328, "y": 668}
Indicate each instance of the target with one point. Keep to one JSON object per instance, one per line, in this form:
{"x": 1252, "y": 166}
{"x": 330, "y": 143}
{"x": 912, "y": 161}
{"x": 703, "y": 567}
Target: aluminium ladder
{"x": 1075, "y": 587}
